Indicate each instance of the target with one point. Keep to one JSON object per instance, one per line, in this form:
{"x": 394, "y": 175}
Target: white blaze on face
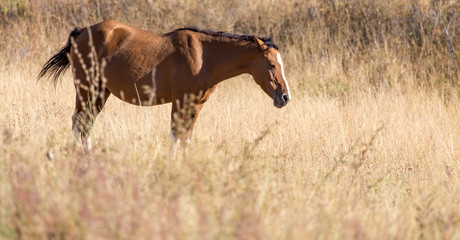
{"x": 280, "y": 61}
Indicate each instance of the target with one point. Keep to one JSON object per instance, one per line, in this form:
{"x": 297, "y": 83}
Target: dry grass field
{"x": 368, "y": 148}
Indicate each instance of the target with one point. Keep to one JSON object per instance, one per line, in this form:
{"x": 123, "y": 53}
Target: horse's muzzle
{"x": 281, "y": 101}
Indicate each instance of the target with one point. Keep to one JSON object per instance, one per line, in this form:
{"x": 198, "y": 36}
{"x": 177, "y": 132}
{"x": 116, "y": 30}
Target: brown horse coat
{"x": 145, "y": 68}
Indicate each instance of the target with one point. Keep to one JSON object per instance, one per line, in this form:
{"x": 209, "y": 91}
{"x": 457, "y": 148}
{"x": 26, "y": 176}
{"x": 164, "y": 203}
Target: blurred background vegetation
{"x": 330, "y": 47}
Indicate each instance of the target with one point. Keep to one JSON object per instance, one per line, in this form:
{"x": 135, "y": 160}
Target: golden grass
{"x": 368, "y": 148}
{"x": 323, "y": 170}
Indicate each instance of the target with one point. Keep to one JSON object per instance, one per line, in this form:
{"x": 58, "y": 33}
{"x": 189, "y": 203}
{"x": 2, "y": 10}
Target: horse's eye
{"x": 272, "y": 66}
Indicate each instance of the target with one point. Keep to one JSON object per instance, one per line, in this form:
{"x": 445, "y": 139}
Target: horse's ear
{"x": 260, "y": 43}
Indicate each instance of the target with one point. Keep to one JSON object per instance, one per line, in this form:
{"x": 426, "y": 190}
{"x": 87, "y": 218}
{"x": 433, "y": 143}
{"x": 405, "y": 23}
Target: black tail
{"x": 57, "y": 64}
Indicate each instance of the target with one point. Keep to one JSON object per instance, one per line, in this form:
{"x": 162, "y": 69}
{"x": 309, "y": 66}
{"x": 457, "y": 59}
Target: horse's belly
{"x": 148, "y": 90}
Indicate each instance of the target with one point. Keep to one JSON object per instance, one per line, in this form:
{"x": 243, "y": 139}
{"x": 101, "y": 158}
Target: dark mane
{"x": 267, "y": 40}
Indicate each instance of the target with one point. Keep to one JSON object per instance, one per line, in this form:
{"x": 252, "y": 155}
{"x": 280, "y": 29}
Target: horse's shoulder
{"x": 188, "y": 45}
{"x": 183, "y": 37}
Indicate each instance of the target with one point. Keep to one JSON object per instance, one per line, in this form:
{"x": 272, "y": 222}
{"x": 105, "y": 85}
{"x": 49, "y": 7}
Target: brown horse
{"x": 146, "y": 69}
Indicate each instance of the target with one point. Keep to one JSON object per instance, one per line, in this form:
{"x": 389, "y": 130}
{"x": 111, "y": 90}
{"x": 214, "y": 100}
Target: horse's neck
{"x": 229, "y": 58}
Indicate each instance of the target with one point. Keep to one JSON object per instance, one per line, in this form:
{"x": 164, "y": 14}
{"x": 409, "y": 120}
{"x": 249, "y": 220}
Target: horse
{"x": 182, "y": 67}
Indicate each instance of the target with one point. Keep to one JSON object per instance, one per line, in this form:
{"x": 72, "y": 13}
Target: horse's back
{"x": 134, "y": 58}
{"x": 137, "y": 59}
{"x": 107, "y": 37}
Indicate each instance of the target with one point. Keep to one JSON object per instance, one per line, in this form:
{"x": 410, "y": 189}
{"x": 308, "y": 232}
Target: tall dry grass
{"x": 368, "y": 148}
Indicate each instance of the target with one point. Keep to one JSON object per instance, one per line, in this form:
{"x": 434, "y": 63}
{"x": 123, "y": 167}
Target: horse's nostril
{"x": 285, "y": 98}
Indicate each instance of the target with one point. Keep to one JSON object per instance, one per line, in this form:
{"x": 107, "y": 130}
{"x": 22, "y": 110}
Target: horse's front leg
{"x": 183, "y": 118}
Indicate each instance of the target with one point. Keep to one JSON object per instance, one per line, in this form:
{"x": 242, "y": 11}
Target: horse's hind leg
{"x": 87, "y": 106}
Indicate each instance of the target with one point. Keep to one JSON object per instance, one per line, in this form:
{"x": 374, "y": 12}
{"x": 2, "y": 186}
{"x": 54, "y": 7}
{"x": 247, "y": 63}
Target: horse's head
{"x": 267, "y": 70}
